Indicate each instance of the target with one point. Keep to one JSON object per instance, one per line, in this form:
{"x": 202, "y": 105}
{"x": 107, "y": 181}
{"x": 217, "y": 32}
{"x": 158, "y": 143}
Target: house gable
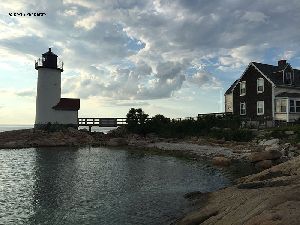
{"x": 236, "y": 82}
{"x": 252, "y": 96}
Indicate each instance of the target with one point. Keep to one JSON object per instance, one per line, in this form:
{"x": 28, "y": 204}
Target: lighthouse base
{"x": 54, "y": 126}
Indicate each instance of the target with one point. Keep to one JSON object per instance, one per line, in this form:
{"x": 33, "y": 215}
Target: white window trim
{"x": 291, "y": 77}
{"x": 263, "y": 85}
{"x": 263, "y": 107}
{"x": 242, "y": 94}
{"x": 295, "y": 106}
{"x": 287, "y": 107}
{"x": 243, "y": 103}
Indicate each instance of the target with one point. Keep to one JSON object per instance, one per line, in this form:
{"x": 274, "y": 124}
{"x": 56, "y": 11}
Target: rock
{"x": 260, "y": 156}
{"x": 221, "y": 161}
{"x": 199, "y": 217}
{"x": 117, "y": 142}
{"x": 262, "y": 142}
{"x": 118, "y": 132}
{"x": 73, "y": 130}
{"x": 155, "y": 136}
{"x": 272, "y": 147}
{"x": 193, "y": 195}
{"x": 289, "y": 132}
{"x": 84, "y": 130}
{"x": 291, "y": 155}
{"x": 270, "y": 142}
{"x": 293, "y": 137}
{"x": 266, "y": 218}
{"x": 271, "y": 197}
{"x": 293, "y": 149}
{"x": 14, "y": 144}
{"x": 267, "y": 183}
{"x": 265, "y": 164}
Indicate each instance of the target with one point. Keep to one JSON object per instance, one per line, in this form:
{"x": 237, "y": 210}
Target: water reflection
{"x": 54, "y": 186}
{"x": 98, "y": 186}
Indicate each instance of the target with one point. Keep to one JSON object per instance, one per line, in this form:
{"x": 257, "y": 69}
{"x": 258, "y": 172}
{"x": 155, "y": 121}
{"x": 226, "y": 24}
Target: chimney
{"x": 282, "y": 63}
{"x": 50, "y": 51}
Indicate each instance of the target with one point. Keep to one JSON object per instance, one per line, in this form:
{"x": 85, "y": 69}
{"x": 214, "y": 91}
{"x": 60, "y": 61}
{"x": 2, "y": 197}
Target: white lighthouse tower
{"x": 50, "y": 107}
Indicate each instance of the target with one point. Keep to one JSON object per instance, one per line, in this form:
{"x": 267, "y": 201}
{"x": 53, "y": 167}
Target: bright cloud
{"x": 139, "y": 52}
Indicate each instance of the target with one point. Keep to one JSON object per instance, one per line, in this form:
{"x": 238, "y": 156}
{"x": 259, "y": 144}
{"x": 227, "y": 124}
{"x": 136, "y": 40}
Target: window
{"x": 288, "y": 78}
{"x": 297, "y": 106}
{"x": 243, "y": 88}
{"x": 294, "y": 106}
{"x": 260, "y": 85}
{"x": 242, "y": 108}
{"x": 281, "y": 105}
{"x": 260, "y": 107}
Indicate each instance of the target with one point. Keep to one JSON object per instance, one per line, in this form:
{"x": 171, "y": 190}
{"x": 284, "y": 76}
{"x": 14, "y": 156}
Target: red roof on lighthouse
{"x": 69, "y": 104}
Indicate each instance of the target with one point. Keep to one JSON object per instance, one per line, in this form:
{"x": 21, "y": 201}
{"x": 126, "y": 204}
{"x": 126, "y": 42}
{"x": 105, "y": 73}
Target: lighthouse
{"x": 50, "y": 107}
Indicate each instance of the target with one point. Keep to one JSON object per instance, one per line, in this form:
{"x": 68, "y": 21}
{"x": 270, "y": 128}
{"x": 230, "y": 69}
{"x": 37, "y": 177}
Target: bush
{"x": 208, "y": 125}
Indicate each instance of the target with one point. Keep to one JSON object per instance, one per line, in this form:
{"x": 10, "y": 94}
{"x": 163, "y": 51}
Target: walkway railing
{"x": 115, "y": 122}
{"x": 102, "y": 122}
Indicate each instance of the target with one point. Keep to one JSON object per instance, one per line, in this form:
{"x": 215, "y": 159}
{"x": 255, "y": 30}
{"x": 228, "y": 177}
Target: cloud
{"x": 26, "y": 93}
{"x": 127, "y": 103}
{"x": 137, "y": 82}
{"x": 289, "y": 54}
{"x": 236, "y": 58}
{"x": 90, "y": 21}
{"x": 204, "y": 79}
{"x": 257, "y": 17}
{"x": 147, "y": 49}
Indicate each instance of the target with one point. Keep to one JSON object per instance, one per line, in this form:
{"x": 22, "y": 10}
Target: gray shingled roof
{"x": 229, "y": 90}
{"x": 290, "y": 95}
{"x": 274, "y": 74}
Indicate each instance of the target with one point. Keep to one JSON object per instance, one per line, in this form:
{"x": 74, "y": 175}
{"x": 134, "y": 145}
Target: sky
{"x": 170, "y": 57}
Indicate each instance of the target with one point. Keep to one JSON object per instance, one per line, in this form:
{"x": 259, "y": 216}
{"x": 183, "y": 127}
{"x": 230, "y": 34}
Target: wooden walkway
{"x": 101, "y": 122}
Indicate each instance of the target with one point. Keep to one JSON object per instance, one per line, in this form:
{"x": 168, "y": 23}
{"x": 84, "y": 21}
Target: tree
{"x": 136, "y": 119}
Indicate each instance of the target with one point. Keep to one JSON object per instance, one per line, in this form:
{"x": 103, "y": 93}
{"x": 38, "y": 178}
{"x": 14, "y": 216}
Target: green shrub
{"x": 138, "y": 122}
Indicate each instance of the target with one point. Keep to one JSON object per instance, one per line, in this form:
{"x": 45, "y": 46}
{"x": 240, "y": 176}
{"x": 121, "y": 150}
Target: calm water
{"x": 14, "y": 127}
{"x": 98, "y": 186}
{"x": 18, "y": 127}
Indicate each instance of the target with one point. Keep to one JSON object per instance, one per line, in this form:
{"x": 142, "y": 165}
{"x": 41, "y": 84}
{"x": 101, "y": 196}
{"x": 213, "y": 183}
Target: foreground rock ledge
{"x": 271, "y": 197}
{"x": 27, "y": 138}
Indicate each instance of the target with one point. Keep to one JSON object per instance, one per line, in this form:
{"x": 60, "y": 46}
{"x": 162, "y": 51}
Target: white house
{"x": 50, "y": 107}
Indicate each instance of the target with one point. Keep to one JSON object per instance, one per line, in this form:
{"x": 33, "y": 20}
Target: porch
{"x": 287, "y": 107}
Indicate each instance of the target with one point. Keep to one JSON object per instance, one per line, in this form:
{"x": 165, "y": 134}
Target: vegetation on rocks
{"x": 288, "y": 133}
{"x": 220, "y": 127}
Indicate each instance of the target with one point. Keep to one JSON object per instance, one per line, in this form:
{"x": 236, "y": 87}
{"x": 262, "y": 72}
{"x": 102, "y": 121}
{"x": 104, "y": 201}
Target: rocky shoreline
{"x": 260, "y": 152}
{"x": 269, "y": 197}
{"x": 197, "y": 147}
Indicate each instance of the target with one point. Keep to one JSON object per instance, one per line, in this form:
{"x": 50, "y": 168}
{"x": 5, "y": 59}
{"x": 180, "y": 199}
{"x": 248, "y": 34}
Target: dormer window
{"x": 260, "y": 85}
{"x": 242, "y": 88}
{"x": 288, "y": 78}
